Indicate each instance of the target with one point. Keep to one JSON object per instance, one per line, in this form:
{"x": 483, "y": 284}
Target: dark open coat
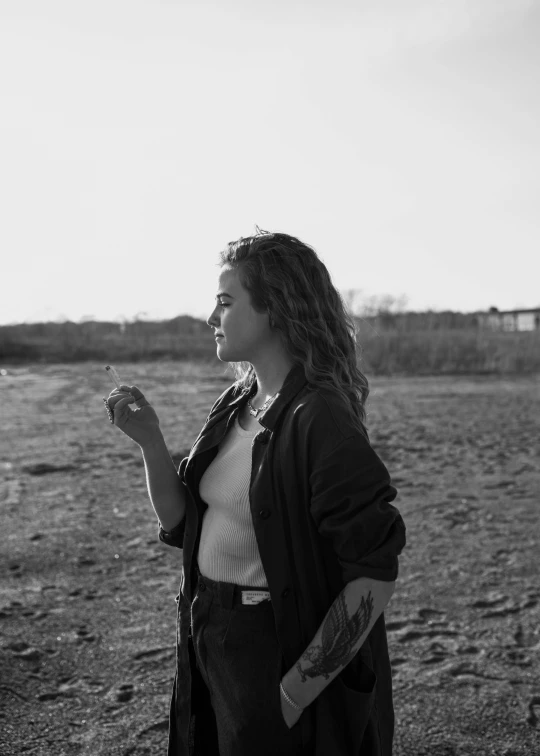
{"x": 320, "y": 502}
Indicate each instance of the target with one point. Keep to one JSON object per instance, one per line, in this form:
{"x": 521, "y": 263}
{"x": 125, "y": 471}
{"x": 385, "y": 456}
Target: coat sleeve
{"x": 350, "y": 504}
{"x": 175, "y": 537}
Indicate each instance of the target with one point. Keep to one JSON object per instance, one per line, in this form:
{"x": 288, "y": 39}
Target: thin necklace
{"x": 255, "y": 412}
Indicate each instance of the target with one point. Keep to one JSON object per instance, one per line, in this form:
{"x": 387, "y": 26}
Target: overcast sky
{"x": 399, "y": 138}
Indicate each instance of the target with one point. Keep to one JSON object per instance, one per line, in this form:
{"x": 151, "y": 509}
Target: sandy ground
{"x": 87, "y": 610}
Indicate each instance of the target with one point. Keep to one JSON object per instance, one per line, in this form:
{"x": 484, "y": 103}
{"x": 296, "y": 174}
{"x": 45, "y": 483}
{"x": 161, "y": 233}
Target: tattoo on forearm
{"x": 340, "y": 633}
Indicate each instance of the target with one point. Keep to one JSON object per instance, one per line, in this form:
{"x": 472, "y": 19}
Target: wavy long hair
{"x": 285, "y": 278}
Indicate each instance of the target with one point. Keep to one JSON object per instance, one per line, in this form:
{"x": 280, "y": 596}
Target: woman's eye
{"x": 222, "y": 304}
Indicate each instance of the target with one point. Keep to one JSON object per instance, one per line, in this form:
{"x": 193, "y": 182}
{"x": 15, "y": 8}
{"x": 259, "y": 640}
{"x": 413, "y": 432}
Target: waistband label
{"x": 255, "y": 597}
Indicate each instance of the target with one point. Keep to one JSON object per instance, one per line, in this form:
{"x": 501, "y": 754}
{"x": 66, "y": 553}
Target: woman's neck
{"x": 269, "y": 385}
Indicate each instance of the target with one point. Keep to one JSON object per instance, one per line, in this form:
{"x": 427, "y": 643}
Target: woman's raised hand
{"x": 140, "y": 423}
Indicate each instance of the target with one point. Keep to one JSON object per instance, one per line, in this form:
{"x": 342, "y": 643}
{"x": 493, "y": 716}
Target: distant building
{"x": 510, "y": 320}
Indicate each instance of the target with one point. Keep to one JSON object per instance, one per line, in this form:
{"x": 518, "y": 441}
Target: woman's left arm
{"x": 340, "y": 636}
{"x": 351, "y": 497}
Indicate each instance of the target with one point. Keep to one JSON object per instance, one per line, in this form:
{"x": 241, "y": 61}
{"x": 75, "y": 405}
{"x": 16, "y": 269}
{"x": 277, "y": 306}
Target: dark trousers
{"x": 240, "y": 660}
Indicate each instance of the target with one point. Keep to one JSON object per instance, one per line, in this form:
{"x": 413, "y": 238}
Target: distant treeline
{"x": 391, "y": 344}
{"x": 421, "y": 321}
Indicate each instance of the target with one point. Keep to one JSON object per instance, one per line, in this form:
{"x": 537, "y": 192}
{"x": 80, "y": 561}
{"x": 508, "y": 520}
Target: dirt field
{"x": 87, "y": 610}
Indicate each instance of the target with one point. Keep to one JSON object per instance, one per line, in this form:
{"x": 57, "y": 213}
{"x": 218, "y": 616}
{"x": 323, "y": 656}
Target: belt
{"x": 241, "y": 595}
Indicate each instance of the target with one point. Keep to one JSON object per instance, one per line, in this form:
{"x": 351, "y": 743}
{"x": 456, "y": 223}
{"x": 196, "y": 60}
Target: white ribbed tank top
{"x": 228, "y": 548}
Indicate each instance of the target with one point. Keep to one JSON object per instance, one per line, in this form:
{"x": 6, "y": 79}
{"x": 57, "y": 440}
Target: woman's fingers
{"x": 137, "y": 394}
{"x": 123, "y": 403}
{"x": 133, "y": 391}
{"x": 117, "y": 391}
{"x": 139, "y": 422}
{"x": 120, "y": 400}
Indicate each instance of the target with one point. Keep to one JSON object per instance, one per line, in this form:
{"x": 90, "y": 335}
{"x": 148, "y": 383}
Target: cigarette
{"x": 114, "y": 375}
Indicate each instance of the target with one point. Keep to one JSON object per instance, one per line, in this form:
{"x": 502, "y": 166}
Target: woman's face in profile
{"x": 245, "y": 332}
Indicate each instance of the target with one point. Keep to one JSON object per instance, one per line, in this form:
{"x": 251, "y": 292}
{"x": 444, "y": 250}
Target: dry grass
{"x": 392, "y": 350}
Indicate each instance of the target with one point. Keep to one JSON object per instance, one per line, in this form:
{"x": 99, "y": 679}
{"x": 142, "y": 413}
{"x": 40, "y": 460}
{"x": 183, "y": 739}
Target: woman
{"x": 282, "y": 509}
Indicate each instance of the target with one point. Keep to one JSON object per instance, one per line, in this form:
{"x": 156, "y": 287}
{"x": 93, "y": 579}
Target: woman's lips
{"x": 218, "y": 337}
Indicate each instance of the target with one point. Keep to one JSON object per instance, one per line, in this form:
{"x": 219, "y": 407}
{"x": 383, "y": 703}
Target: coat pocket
{"x": 344, "y": 714}
{"x": 358, "y": 677}
{"x": 357, "y": 685}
